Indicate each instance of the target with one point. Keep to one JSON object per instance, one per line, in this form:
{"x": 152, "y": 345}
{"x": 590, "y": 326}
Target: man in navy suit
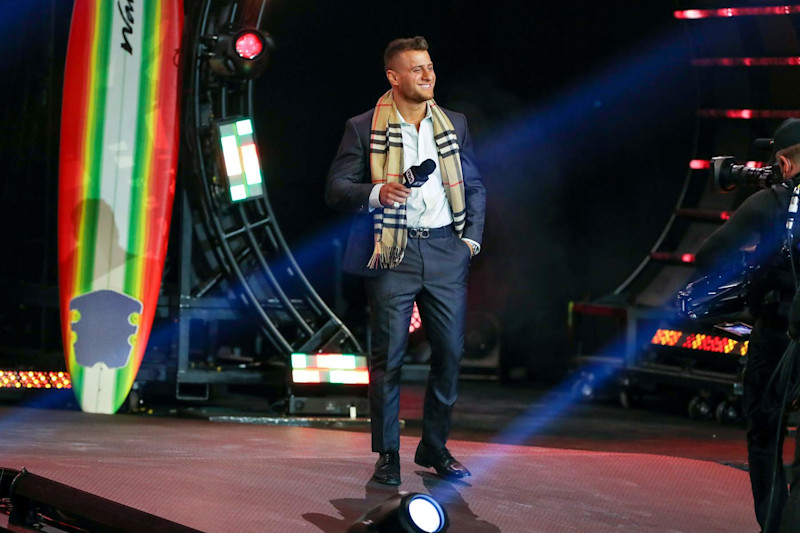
{"x": 433, "y": 233}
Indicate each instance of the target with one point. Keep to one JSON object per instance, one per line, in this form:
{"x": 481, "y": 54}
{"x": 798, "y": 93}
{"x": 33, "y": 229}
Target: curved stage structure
{"x": 235, "y": 270}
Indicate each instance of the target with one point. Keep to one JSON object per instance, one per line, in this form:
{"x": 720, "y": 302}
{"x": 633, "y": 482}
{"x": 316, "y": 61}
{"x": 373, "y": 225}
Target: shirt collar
{"x": 428, "y": 115}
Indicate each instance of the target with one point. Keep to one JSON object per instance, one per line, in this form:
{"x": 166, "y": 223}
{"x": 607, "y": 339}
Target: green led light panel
{"x": 240, "y": 164}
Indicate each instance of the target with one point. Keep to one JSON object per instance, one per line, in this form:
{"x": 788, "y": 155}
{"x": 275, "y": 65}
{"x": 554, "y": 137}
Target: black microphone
{"x": 416, "y": 176}
{"x": 763, "y": 144}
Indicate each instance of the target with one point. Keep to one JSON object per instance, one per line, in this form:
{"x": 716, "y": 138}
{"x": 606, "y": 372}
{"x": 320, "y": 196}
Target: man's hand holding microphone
{"x": 394, "y": 194}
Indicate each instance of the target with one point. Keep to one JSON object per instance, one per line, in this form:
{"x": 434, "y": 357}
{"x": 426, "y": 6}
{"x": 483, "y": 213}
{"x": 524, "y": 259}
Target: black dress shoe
{"x": 387, "y": 469}
{"x": 441, "y": 460}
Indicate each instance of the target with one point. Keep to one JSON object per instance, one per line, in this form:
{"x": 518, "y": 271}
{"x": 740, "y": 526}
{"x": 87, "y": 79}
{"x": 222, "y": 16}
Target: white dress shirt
{"x": 427, "y": 205}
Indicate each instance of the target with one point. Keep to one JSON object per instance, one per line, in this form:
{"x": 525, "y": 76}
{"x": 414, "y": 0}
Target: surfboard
{"x": 118, "y": 156}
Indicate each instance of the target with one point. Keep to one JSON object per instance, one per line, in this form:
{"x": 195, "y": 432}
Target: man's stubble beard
{"x": 419, "y": 97}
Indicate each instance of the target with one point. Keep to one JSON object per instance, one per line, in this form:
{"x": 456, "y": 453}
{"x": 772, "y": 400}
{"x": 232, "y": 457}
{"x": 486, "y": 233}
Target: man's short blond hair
{"x": 401, "y": 45}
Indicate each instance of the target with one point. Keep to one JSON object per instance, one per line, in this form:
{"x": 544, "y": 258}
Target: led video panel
{"x": 240, "y": 163}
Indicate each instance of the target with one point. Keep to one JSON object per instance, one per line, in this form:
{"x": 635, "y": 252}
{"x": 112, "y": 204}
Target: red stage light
{"x": 709, "y": 343}
{"x": 249, "y": 45}
{"x": 687, "y": 258}
{"x": 416, "y": 320}
{"x": 725, "y": 215}
{"x": 736, "y": 12}
{"x": 748, "y": 113}
{"x": 746, "y": 62}
{"x": 704, "y": 164}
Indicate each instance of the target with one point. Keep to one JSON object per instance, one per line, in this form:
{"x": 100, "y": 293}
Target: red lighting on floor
{"x": 249, "y": 45}
{"x": 748, "y": 113}
{"x": 692, "y": 14}
{"x": 416, "y": 320}
{"x": 699, "y": 341}
{"x": 746, "y": 62}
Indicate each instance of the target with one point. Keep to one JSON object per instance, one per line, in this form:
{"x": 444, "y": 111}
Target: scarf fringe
{"x": 382, "y": 259}
{"x": 374, "y": 260}
{"x": 393, "y": 258}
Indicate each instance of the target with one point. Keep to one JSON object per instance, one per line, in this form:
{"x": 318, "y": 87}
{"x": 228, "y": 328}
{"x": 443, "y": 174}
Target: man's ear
{"x": 786, "y": 165}
{"x": 392, "y": 77}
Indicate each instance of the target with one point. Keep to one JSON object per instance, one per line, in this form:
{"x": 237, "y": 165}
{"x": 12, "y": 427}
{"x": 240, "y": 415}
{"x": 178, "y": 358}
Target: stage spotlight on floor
{"x": 242, "y": 54}
{"x": 404, "y": 513}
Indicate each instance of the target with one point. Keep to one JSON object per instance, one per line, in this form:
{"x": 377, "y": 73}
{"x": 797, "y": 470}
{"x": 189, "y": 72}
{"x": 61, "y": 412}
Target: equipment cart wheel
{"x": 700, "y": 409}
{"x": 727, "y": 412}
{"x": 629, "y": 398}
{"x": 583, "y": 390}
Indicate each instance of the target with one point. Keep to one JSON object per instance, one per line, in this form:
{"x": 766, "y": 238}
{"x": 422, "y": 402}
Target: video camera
{"x": 716, "y": 295}
{"x": 728, "y": 176}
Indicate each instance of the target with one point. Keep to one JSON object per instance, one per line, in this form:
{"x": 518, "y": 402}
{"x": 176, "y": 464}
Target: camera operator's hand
{"x": 393, "y": 194}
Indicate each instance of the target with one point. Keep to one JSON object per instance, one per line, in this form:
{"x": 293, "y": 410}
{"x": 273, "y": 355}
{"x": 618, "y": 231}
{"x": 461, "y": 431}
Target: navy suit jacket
{"x": 349, "y": 185}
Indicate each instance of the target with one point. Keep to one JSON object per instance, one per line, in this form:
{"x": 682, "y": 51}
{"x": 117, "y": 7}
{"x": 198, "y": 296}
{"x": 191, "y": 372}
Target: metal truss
{"x": 236, "y": 250}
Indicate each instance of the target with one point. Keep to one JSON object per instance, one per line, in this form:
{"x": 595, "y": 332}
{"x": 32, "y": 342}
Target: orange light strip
{"x": 666, "y": 337}
{"x": 699, "y": 341}
{"x": 32, "y": 379}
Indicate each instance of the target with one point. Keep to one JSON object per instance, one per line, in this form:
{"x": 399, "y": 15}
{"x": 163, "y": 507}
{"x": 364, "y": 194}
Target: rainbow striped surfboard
{"x": 119, "y": 151}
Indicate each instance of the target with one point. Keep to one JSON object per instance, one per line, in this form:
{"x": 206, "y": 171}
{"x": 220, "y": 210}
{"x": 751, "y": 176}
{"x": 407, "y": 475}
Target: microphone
{"x": 763, "y": 144}
{"x": 416, "y": 176}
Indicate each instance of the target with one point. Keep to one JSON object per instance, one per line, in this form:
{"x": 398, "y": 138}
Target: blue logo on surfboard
{"x": 104, "y": 327}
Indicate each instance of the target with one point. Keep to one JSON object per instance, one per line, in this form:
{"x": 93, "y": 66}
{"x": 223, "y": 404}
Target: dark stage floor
{"x": 538, "y": 465}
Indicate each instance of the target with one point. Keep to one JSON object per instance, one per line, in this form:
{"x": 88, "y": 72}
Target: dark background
{"x": 582, "y": 117}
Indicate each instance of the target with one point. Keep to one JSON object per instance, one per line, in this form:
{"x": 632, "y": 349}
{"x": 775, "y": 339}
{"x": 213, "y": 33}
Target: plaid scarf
{"x": 386, "y": 166}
